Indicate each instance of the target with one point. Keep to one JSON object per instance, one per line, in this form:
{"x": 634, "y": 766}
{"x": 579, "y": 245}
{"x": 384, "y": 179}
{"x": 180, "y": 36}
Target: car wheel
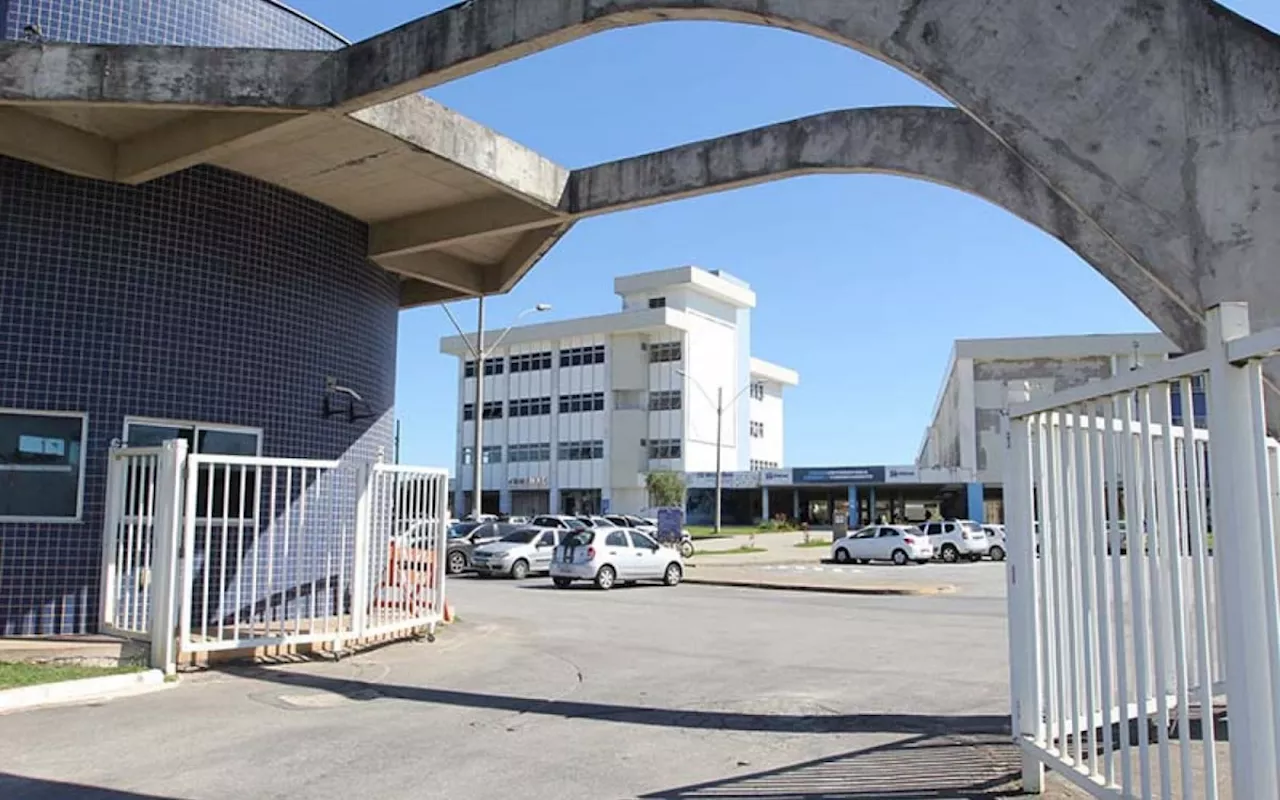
{"x": 673, "y": 574}
{"x": 686, "y": 549}
{"x": 997, "y": 553}
{"x": 842, "y": 556}
{"x": 605, "y": 577}
{"x": 562, "y": 583}
{"x": 950, "y": 554}
{"x": 899, "y": 557}
{"x": 457, "y": 562}
{"x": 520, "y": 570}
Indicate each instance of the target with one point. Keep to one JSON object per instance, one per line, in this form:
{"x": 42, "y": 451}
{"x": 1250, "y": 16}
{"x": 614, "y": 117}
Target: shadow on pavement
{"x": 19, "y": 787}
{"x": 918, "y": 768}
{"x": 365, "y": 691}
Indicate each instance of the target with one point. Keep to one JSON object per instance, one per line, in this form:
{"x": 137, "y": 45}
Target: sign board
{"x": 728, "y": 480}
{"x": 536, "y": 482}
{"x": 671, "y": 524}
{"x": 902, "y": 474}
{"x": 775, "y": 477}
{"x": 845, "y": 475}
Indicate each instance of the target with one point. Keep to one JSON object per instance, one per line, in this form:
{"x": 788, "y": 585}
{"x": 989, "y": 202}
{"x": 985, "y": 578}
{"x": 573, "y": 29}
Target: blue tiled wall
{"x": 202, "y": 296}
{"x": 200, "y": 23}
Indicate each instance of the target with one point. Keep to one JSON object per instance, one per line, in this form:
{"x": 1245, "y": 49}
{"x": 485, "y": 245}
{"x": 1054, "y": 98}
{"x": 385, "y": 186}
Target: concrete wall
{"x": 710, "y": 356}
{"x": 202, "y": 297}
{"x": 768, "y": 412}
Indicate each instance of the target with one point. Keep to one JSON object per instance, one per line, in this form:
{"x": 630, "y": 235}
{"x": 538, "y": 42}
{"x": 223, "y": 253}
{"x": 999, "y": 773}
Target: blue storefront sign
{"x": 840, "y": 475}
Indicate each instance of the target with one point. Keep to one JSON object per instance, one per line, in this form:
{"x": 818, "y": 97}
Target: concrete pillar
{"x": 764, "y": 503}
{"x": 977, "y": 508}
{"x": 459, "y": 499}
{"x": 871, "y": 505}
{"x": 855, "y": 518}
{"x": 504, "y": 500}
{"x": 795, "y": 504}
{"x": 555, "y": 499}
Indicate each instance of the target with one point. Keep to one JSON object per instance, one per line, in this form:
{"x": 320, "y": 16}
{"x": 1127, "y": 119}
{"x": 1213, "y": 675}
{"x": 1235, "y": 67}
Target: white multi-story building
{"x": 578, "y": 412}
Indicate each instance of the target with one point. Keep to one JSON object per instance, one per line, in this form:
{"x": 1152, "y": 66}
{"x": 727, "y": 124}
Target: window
{"x": 644, "y": 542}
{"x": 42, "y": 465}
{"x": 530, "y": 362}
{"x": 888, "y": 533}
{"x": 616, "y": 539}
{"x": 529, "y": 407}
{"x": 215, "y": 483}
{"x": 657, "y": 302}
{"x": 491, "y": 367}
{"x": 757, "y": 430}
{"x": 660, "y": 352}
{"x": 664, "y": 448}
{"x": 573, "y": 403}
{"x": 492, "y": 410}
{"x": 665, "y": 401}
{"x": 528, "y": 453}
{"x": 492, "y": 454}
{"x": 578, "y": 356}
{"x": 581, "y": 451}
{"x": 758, "y": 464}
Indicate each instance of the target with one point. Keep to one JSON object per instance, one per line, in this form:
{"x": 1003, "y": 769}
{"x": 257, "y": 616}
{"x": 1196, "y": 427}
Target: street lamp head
{"x": 542, "y": 307}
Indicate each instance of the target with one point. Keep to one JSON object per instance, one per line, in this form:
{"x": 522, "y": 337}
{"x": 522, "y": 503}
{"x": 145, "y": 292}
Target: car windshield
{"x": 523, "y": 536}
{"x": 579, "y": 539}
{"x": 621, "y": 522}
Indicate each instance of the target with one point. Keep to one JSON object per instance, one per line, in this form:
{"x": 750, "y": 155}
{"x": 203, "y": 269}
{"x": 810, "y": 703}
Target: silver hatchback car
{"x": 608, "y": 555}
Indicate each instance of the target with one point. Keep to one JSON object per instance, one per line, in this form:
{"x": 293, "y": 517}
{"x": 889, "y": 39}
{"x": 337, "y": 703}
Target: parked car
{"x": 559, "y": 521}
{"x": 900, "y": 544}
{"x": 634, "y": 523}
{"x": 519, "y": 554}
{"x": 597, "y": 522}
{"x": 608, "y": 555}
{"x": 955, "y": 539}
{"x": 465, "y": 537}
{"x": 996, "y": 536}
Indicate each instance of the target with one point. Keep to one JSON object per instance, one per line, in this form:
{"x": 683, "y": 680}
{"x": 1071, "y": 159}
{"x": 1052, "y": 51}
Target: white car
{"x": 955, "y": 539}
{"x": 996, "y": 537}
{"x": 606, "y": 556}
{"x": 518, "y": 554}
{"x": 900, "y": 544}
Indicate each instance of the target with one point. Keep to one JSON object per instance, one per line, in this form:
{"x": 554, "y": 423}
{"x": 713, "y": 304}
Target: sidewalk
{"x": 818, "y": 578}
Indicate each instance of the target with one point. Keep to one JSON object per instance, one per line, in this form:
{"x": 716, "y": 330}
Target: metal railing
{"x": 1142, "y": 578}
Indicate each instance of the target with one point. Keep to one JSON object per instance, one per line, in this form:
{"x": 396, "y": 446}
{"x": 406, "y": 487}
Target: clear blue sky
{"x": 862, "y": 281}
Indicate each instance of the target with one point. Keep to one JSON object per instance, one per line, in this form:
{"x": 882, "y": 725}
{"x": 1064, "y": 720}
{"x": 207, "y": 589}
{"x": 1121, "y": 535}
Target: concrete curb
{"x": 874, "y": 591}
{"x": 103, "y": 688}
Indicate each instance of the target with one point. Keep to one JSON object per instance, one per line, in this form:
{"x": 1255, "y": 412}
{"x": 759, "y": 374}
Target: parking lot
{"x": 643, "y": 691}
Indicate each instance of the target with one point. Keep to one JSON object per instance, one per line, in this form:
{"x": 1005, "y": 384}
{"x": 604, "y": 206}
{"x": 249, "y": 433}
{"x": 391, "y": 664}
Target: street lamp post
{"x": 478, "y": 354}
{"x": 720, "y": 406}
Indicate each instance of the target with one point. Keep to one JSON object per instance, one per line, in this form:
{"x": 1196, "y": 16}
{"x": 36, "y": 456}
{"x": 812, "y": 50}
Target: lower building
{"x": 966, "y": 430}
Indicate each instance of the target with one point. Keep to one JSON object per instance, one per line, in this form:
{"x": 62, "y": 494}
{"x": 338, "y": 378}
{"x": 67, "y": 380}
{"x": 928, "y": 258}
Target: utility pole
{"x": 477, "y": 417}
{"x": 719, "y": 434}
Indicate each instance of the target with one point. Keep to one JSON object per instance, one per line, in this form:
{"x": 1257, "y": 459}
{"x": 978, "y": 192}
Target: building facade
{"x": 577, "y": 413}
{"x": 966, "y": 430}
{"x": 137, "y": 313}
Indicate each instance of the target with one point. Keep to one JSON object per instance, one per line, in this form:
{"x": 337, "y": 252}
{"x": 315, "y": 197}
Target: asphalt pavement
{"x": 647, "y": 691}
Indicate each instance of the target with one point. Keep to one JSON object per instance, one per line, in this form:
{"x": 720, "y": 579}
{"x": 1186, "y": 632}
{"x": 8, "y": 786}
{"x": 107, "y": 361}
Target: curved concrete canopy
{"x": 940, "y": 145}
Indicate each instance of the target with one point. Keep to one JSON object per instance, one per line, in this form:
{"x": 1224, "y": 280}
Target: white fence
{"x": 1143, "y": 594}
{"x": 212, "y": 552}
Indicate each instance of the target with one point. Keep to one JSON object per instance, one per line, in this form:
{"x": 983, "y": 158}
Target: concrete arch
{"x": 1140, "y": 115}
{"x": 940, "y": 145}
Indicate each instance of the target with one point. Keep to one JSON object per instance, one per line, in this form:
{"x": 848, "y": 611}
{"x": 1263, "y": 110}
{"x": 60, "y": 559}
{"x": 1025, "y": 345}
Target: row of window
{"x": 757, "y": 391}
{"x": 661, "y": 352}
{"x": 492, "y": 410}
{"x": 530, "y": 407}
{"x": 532, "y": 362}
{"x": 569, "y": 404}
{"x": 664, "y": 448}
{"x": 533, "y": 453}
{"x": 42, "y": 459}
{"x": 758, "y": 464}
{"x": 572, "y": 403}
{"x": 665, "y": 401}
{"x": 757, "y": 430}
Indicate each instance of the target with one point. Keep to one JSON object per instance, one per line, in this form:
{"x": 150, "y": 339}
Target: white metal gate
{"x": 405, "y": 511}
{"x": 1143, "y": 595}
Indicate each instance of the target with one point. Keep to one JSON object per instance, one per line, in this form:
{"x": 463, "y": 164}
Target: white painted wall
{"x": 769, "y": 412}
{"x": 709, "y": 355}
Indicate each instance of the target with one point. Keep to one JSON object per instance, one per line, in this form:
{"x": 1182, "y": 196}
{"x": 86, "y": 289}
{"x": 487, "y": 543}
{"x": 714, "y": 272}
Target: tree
{"x": 665, "y": 488}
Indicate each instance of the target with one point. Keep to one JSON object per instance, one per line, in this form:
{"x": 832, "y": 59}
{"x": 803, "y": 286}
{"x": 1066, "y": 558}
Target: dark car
{"x": 465, "y": 537}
